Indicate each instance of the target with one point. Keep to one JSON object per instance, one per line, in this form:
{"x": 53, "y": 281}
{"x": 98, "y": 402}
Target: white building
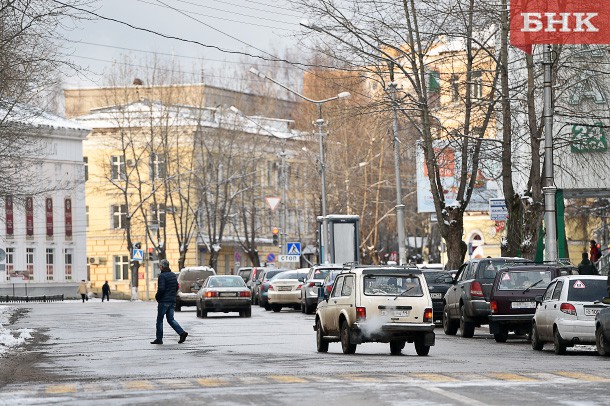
{"x": 44, "y": 224}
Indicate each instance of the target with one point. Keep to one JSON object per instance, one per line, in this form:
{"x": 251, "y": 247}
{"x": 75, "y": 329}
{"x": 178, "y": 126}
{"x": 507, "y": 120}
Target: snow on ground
{"x": 10, "y": 339}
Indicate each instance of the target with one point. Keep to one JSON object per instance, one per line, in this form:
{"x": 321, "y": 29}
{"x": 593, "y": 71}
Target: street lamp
{"x": 320, "y": 123}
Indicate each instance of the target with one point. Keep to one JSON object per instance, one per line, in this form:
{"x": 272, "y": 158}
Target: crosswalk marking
{"x": 59, "y": 389}
{"x": 512, "y": 377}
{"x": 212, "y": 382}
{"x": 435, "y": 377}
{"x": 138, "y": 385}
{"x": 582, "y": 376}
{"x": 287, "y": 379}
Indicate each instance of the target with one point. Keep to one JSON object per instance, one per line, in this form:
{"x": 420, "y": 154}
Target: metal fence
{"x": 44, "y": 298}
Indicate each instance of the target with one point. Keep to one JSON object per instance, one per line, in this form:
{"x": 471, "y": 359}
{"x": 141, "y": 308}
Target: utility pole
{"x": 284, "y": 186}
{"x": 400, "y": 207}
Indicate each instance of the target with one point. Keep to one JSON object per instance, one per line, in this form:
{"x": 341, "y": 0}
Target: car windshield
{"x": 320, "y": 273}
{"x": 195, "y": 275}
{"x": 392, "y": 285}
{"x": 587, "y": 290}
{"x": 226, "y": 282}
{"x": 436, "y": 277}
{"x": 245, "y": 273}
{"x": 289, "y": 275}
{"x": 521, "y": 280}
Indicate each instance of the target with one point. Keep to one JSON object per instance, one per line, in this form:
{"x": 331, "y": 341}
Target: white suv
{"x": 388, "y": 304}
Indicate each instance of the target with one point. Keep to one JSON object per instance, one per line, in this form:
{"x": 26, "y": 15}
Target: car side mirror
{"x": 449, "y": 279}
{"x": 301, "y": 279}
{"x": 538, "y": 299}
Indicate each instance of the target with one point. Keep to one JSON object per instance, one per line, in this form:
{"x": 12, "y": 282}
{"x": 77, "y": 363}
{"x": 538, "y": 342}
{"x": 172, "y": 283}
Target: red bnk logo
{"x": 558, "y": 22}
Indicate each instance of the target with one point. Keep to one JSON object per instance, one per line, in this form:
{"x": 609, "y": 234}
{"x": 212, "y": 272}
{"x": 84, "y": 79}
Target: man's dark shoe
{"x": 156, "y": 342}
{"x": 183, "y": 337}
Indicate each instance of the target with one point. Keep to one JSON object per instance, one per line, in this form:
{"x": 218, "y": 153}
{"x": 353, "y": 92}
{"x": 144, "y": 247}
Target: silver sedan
{"x": 224, "y": 293}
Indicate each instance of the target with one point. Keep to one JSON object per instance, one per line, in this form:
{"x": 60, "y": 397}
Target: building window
{"x": 10, "y": 261}
{"x": 119, "y": 216}
{"x": 157, "y": 217}
{"x": 121, "y": 268}
{"x": 477, "y": 85}
{"x": 117, "y": 168}
{"x": 158, "y": 167}
{"x": 50, "y": 261}
{"x": 455, "y": 88}
{"x": 68, "y": 255}
{"x": 86, "y": 164}
{"x": 272, "y": 174}
{"x": 29, "y": 262}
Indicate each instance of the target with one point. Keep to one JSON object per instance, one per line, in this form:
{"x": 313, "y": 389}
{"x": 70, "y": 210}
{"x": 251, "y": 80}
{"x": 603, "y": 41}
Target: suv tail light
{"x": 360, "y": 313}
{"x": 494, "y": 306}
{"x": 211, "y": 294}
{"x": 245, "y": 294}
{"x": 428, "y": 315}
{"x": 270, "y": 287}
{"x": 568, "y": 308}
{"x": 299, "y": 287}
{"x": 329, "y": 288}
{"x": 178, "y": 285}
{"x": 311, "y": 284}
{"x": 476, "y": 289}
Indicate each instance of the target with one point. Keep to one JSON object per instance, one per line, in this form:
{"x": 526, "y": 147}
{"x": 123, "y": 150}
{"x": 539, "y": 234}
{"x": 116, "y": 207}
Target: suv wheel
{"x": 178, "y": 306}
{"x": 197, "y": 311}
{"x": 321, "y": 343}
{"x": 204, "y": 314}
{"x": 560, "y": 346}
{"x": 276, "y": 308}
{"x": 449, "y": 326}
{"x": 466, "y": 327}
{"x": 396, "y": 346}
{"x": 537, "y": 345}
{"x": 501, "y": 336}
{"x": 420, "y": 348}
{"x": 603, "y": 346}
{"x": 346, "y": 345}
{"x": 248, "y": 312}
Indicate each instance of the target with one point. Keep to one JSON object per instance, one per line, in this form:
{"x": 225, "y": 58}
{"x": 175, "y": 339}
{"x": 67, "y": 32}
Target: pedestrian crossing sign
{"x": 137, "y": 255}
{"x": 293, "y": 248}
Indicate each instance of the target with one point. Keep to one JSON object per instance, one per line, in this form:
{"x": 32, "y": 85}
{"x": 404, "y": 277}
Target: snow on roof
{"x": 36, "y": 117}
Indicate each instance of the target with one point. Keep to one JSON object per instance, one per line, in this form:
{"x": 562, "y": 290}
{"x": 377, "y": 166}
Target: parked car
{"x": 439, "y": 282}
{"x": 329, "y": 281}
{"x": 285, "y": 290}
{"x": 565, "y": 314}
{"x": 263, "y": 287}
{"x": 466, "y": 303}
{"x": 246, "y": 274}
{"x": 224, "y": 293}
{"x": 257, "y": 279}
{"x": 309, "y": 291}
{"x": 512, "y": 298}
{"x": 388, "y": 304}
{"x": 602, "y": 331}
{"x": 190, "y": 280}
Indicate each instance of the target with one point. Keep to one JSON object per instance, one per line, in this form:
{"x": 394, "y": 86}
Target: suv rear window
{"x": 389, "y": 285}
{"x": 191, "y": 276}
{"x": 436, "y": 276}
{"x": 245, "y": 273}
{"x": 587, "y": 290}
{"x": 320, "y": 273}
{"x": 521, "y": 280}
{"x": 487, "y": 269}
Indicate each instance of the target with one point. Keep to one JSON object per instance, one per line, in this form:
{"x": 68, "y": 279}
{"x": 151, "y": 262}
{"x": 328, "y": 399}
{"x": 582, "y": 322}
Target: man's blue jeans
{"x": 166, "y": 309}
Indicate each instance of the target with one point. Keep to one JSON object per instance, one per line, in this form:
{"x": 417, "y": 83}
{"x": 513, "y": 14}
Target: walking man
{"x": 587, "y": 267}
{"x": 167, "y": 287}
{"x": 106, "y": 291}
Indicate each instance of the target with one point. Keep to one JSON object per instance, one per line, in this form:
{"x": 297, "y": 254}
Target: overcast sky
{"x": 252, "y": 26}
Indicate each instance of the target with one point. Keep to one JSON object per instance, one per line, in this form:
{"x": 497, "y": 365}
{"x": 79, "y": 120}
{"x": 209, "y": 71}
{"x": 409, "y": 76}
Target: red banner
{"x": 68, "y": 216}
{"x": 8, "y": 205}
{"x": 29, "y": 216}
{"x": 49, "y": 216}
{"x": 558, "y": 22}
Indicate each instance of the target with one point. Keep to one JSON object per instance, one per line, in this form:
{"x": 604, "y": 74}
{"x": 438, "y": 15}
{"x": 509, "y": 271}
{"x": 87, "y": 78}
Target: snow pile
{"x": 11, "y": 338}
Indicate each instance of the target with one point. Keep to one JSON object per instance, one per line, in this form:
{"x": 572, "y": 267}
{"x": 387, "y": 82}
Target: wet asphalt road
{"x": 100, "y": 353}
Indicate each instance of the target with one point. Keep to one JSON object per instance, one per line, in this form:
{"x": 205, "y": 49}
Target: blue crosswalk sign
{"x": 293, "y": 248}
{"x": 137, "y": 255}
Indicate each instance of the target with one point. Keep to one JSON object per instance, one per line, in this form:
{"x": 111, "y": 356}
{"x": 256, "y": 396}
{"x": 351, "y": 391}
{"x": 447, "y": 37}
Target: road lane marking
{"x": 287, "y": 379}
{"x": 511, "y": 377}
{"x": 138, "y": 385}
{"x": 582, "y": 376}
{"x": 57, "y": 389}
{"x": 435, "y": 377}
{"x": 454, "y": 397}
{"x": 212, "y": 382}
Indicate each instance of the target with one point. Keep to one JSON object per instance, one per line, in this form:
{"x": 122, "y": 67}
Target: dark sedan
{"x": 224, "y": 293}
{"x": 438, "y": 282}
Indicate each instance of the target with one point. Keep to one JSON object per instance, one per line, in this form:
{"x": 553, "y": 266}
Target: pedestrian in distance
{"x": 594, "y": 253}
{"x": 106, "y": 292}
{"x": 586, "y": 267}
{"x": 82, "y": 289}
{"x": 167, "y": 288}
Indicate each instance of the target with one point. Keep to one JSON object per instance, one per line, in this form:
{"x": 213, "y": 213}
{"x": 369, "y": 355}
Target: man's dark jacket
{"x": 587, "y": 267}
{"x": 167, "y": 287}
{"x": 106, "y": 289}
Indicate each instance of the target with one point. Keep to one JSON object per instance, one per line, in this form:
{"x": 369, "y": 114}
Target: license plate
{"x": 284, "y": 288}
{"x": 523, "y": 305}
{"x": 436, "y": 295}
{"x": 395, "y": 313}
{"x": 591, "y": 312}
{"x": 228, "y": 294}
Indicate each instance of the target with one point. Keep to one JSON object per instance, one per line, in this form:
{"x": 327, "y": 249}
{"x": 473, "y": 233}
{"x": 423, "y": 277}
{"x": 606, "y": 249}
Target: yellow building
{"x": 188, "y": 183}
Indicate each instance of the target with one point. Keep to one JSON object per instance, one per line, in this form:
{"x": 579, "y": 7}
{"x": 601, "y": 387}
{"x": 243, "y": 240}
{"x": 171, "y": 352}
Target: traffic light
{"x": 276, "y": 237}
{"x": 151, "y": 256}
